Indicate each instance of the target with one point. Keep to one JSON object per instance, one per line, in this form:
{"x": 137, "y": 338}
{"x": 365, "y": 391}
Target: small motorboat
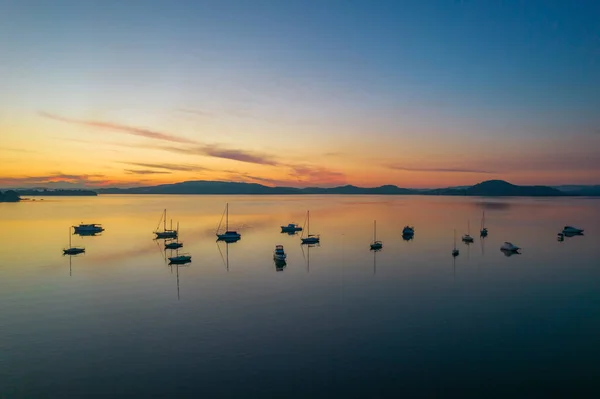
{"x": 291, "y": 228}
{"x": 279, "y": 254}
{"x": 88, "y": 229}
{"x": 508, "y": 246}
{"x": 408, "y": 231}
{"x": 572, "y": 230}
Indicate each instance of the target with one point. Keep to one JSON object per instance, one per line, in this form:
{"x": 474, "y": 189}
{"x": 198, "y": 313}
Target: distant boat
{"x": 170, "y": 233}
{"x": 455, "y": 251}
{"x": 88, "y": 229}
{"x": 508, "y": 246}
{"x": 484, "y": 231}
{"x": 560, "y": 237}
{"x": 180, "y": 259}
{"x": 279, "y": 254}
{"x": 572, "y": 230}
{"x": 375, "y": 245}
{"x": 290, "y": 228}
{"x": 467, "y": 237}
{"x": 408, "y": 231}
{"x": 174, "y": 244}
{"x": 228, "y": 235}
{"x": 73, "y": 250}
{"x": 310, "y": 238}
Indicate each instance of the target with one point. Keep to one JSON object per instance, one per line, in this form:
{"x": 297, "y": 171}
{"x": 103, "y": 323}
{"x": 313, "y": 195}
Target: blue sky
{"x": 421, "y": 75}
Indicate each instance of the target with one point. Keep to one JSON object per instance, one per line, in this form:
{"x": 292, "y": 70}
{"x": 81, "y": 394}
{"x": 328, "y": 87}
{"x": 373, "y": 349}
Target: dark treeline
{"x": 58, "y": 192}
{"x": 9, "y": 196}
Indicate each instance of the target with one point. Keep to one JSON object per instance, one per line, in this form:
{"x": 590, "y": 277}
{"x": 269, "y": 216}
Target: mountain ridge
{"x": 495, "y": 188}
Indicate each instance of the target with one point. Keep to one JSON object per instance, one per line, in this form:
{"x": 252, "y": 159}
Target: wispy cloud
{"x": 316, "y": 175}
{"x": 169, "y": 166}
{"x": 436, "y": 169}
{"x": 55, "y": 179}
{"x": 196, "y": 112}
{"x": 216, "y": 151}
{"x": 134, "y": 131}
{"x": 146, "y": 172}
{"x": 10, "y": 149}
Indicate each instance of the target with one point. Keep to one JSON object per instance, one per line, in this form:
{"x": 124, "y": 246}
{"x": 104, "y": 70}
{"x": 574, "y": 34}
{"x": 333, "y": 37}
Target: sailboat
{"x": 72, "y": 250}
{"x": 455, "y": 251}
{"x": 483, "y": 232}
{"x": 467, "y": 237}
{"x": 174, "y": 244}
{"x": 228, "y": 235}
{"x": 310, "y": 238}
{"x": 165, "y": 233}
{"x": 375, "y": 245}
{"x": 180, "y": 259}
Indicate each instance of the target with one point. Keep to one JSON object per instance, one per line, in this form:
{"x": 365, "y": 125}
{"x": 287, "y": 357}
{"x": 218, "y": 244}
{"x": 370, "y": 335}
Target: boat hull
{"x": 310, "y": 240}
{"x": 173, "y": 245}
{"x": 166, "y": 234}
{"x": 180, "y": 259}
{"x": 73, "y": 251}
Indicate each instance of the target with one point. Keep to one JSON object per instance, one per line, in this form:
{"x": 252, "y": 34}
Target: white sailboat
{"x": 228, "y": 235}
{"x": 455, "y": 251}
{"x": 310, "y": 238}
{"x": 467, "y": 237}
{"x": 170, "y": 233}
{"x": 375, "y": 245}
{"x": 72, "y": 250}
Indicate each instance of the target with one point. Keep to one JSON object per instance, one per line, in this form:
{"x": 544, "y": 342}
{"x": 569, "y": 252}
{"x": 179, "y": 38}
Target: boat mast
{"x": 165, "y": 220}
{"x": 227, "y": 217}
{"x": 70, "y": 238}
{"x": 454, "y": 239}
{"x": 308, "y": 217}
{"x": 374, "y": 230}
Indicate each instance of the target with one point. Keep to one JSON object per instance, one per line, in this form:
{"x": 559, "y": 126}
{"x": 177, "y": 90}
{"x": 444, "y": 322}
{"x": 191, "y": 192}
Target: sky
{"x": 416, "y": 93}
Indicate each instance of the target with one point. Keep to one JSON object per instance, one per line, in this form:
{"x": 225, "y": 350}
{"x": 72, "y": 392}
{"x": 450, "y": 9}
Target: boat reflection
{"x": 279, "y": 264}
{"x": 226, "y": 257}
{"x": 177, "y": 266}
{"x": 307, "y": 256}
{"x": 509, "y": 253}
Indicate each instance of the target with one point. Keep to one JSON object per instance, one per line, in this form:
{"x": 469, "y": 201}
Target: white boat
{"x": 467, "y": 237}
{"x": 310, "y": 238}
{"x": 375, "y": 245}
{"x": 228, "y": 235}
{"x": 72, "y": 250}
{"x": 408, "y": 231}
{"x": 484, "y": 231}
{"x": 508, "y": 246}
{"x": 165, "y": 233}
{"x": 455, "y": 251}
{"x": 571, "y": 230}
{"x": 290, "y": 228}
{"x": 279, "y": 254}
{"x": 92, "y": 228}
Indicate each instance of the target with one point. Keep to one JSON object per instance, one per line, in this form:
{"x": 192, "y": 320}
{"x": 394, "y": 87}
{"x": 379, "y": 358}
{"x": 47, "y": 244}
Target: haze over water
{"x": 414, "y": 323}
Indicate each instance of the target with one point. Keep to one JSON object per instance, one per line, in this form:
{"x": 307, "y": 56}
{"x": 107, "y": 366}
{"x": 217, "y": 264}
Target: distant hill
{"x": 498, "y": 188}
{"x": 592, "y": 191}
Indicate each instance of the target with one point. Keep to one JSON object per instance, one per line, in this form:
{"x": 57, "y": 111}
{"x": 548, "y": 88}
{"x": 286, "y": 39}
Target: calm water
{"x": 338, "y": 320}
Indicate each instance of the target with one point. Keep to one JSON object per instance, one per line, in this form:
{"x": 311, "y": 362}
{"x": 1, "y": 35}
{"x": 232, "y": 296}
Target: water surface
{"x": 337, "y": 320}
